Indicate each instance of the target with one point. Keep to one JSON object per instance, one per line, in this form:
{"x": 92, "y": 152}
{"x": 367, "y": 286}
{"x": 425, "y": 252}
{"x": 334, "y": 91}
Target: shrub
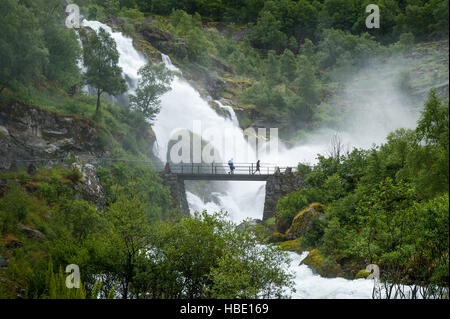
{"x": 314, "y": 233}
{"x": 14, "y": 208}
{"x": 133, "y": 14}
{"x": 74, "y": 175}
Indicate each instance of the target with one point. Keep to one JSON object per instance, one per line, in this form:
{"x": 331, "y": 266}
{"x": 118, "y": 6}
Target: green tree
{"x": 101, "y": 60}
{"x": 267, "y": 34}
{"x": 288, "y": 65}
{"x": 308, "y": 86}
{"x": 207, "y": 256}
{"x": 64, "y": 54}
{"x": 155, "y": 81}
{"x": 334, "y": 237}
{"x": 22, "y": 50}
{"x": 429, "y": 234}
{"x": 128, "y": 238}
{"x": 272, "y": 69}
{"x": 429, "y": 161}
{"x": 248, "y": 270}
{"x": 14, "y": 208}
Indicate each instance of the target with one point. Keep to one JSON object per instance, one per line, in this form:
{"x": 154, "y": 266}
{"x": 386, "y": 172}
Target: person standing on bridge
{"x": 231, "y": 165}
{"x": 257, "y": 168}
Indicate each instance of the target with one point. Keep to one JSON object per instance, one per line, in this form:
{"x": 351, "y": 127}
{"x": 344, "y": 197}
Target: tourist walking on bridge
{"x": 257, "y": 168}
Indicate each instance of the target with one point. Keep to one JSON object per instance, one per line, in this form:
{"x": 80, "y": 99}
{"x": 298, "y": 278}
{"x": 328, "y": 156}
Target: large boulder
{"x": 302, "y": 220}
{"x": 322, "y": 265}
{"x": 32, "y": 233}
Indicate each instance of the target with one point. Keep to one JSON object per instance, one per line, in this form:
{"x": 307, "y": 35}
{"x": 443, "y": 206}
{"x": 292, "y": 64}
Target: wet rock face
{"x": 27, "y": 132}
{"x": 90, "y": 188}
{"x": 163, "y": 41}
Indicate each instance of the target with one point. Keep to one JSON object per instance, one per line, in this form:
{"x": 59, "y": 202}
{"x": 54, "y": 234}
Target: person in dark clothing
{"x": 257, "y": 168}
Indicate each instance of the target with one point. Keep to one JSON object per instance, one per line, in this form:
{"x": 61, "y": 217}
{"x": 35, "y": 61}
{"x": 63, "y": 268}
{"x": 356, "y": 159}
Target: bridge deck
{"x": 221, "y": 171}
{"x": 223, "y": 177}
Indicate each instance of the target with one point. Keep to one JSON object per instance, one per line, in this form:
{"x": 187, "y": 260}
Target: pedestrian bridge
{"x": 221, "y": 171}
{"x": 279, "y": 180}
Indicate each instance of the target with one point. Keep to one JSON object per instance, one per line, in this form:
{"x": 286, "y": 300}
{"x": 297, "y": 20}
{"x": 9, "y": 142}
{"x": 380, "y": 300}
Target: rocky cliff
{"x": 28, "y": 132}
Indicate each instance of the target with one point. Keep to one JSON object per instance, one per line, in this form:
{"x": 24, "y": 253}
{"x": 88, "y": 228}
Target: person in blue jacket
{"x": 231, "y": 165}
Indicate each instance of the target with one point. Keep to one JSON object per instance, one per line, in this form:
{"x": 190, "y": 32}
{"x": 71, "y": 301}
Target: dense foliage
{"x": 285, "y": 19}
{"x": 136, "y": 247}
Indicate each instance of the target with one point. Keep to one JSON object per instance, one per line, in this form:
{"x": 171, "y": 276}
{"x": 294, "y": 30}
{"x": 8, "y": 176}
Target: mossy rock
{"x": 322, "y": 265}
{"x": 302, "y": 219}
{"x": 277, "y": 237}
{"x": 362, "y": 274}
{"x": 291, "y": 245}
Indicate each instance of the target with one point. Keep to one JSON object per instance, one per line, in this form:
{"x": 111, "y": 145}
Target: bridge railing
{"x": 223, "y": 168}
{"x": 182, "y": 168}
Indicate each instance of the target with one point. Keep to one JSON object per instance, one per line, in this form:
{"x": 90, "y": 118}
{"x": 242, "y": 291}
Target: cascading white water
{"x": 230, "y": 110}
{"x": 180, "y": 108}
{"x": 309, "y": 285}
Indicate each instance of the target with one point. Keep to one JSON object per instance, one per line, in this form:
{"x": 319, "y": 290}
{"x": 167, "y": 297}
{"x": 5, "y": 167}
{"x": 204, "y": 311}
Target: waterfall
{"x": 180, "y": 109}
{"x": 168, "y": 63}
{"x": 230, "y": 110}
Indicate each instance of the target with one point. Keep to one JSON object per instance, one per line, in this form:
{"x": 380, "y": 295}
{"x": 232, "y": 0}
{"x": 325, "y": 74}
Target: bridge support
{"x": 177, "y": 190}
{"x": 277, "y": 186}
